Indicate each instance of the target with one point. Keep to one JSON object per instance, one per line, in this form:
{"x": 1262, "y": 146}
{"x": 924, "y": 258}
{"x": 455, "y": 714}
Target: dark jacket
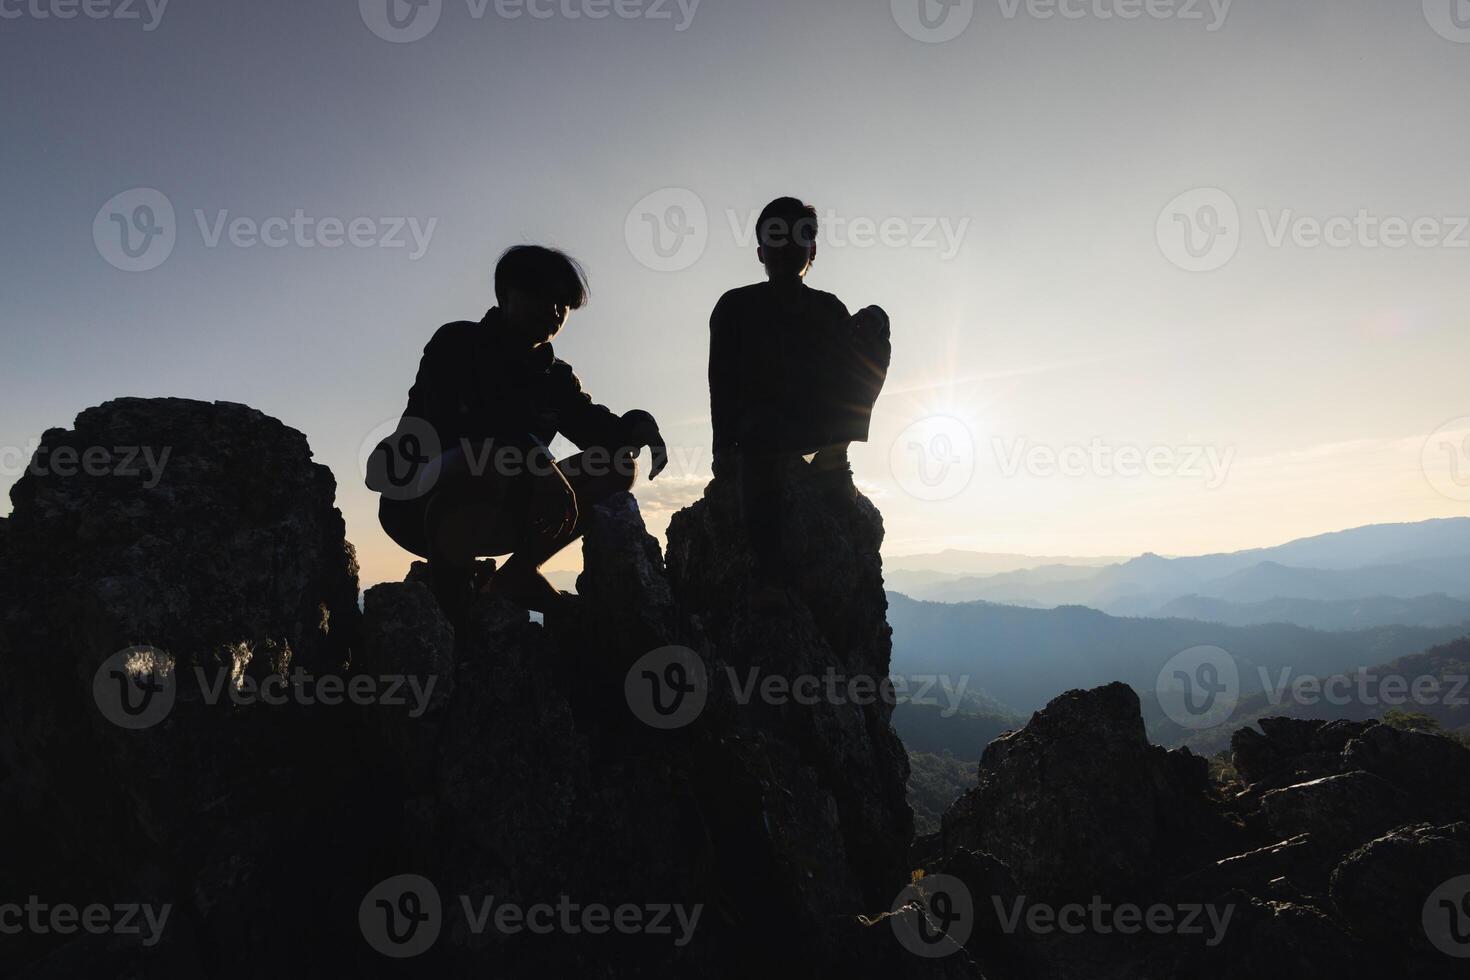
{"x": 471, "y": 386}
{"x": 788, "y": 370}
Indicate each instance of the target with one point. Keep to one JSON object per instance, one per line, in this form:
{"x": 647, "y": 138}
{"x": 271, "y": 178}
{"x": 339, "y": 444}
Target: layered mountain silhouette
{"x": 1390, "y": 561}
{"x": 1022, "y": 657}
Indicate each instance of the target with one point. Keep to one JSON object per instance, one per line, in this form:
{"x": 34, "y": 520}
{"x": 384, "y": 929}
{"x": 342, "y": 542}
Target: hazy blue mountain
{"x": 1338, "y": 614}
{"x": 1024, "y": 657}
{"x": 1357, "y": 697}
{"x": 1394, "y": 560}
{"x": 957, "y": 563}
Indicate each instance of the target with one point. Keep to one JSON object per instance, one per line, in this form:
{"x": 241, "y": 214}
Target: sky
{"x": 1163, "y": 276}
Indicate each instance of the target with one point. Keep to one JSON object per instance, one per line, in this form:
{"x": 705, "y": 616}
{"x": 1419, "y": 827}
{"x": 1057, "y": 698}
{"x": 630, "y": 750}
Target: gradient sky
{"x": 1058, "y": 316}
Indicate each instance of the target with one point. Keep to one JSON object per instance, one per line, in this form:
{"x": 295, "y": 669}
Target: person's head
{"x": 787, "y": 235}
{"x": 535, "y": 288}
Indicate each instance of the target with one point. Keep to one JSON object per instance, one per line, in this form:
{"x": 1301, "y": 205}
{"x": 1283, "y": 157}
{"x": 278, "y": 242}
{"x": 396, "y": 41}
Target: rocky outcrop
{"x": 667, "y": 780}
{"x": 506, "y": 762}
{"x": 1078, "y": 800}
{"x": 204, "y": 534}
{"x": 1320, "y": 866}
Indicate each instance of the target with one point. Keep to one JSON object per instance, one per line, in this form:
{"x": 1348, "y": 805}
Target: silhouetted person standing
{"x": 468, "y": 474}
{"x": 791, "y": 374}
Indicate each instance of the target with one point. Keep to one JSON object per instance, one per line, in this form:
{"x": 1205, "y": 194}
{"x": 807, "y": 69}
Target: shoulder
{"x": 562, "y": 373}
{"x": 739, "y": 296}
{"x": 451, "y": 337}
{"x": 829, "y": 303}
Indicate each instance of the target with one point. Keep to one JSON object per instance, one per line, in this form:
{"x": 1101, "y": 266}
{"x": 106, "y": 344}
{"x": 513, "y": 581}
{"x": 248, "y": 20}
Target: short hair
{"x": 787, "y": 219}
{"x": 545, "y": 273}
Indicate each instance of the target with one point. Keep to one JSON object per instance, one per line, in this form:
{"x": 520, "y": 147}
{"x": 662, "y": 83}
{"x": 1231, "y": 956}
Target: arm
{"x": 581, "y": 419}
{"x": 724, "y": 377}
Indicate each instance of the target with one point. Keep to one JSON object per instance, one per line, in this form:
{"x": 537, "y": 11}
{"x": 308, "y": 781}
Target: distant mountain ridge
{"x": 1336, "y": 614}
{"x": 1398, "y": 561}
{"x": 1024, "y": 657}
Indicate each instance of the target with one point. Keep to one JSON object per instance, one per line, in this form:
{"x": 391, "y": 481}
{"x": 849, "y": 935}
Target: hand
{"x": 551, "y": 503}
{"x": 643, "y": 431}
{"x": 872, "y": 320}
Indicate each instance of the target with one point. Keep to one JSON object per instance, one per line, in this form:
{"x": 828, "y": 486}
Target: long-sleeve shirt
{"x": 473, "y": 386}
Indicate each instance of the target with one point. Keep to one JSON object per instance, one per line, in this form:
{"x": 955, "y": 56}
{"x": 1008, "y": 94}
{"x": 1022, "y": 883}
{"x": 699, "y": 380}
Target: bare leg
{"x": 593, "y": 477}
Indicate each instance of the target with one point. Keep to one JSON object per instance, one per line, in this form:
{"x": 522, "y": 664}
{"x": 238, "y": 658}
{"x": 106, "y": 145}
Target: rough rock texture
{"x": 529, "y": 771}
{"x": 232, "y": 563}
{"x": 1078, "y": 801}
{"x": 1322, "y": 861}
{"x": 1381, "y": 889}
{"x": 523, "y": 776}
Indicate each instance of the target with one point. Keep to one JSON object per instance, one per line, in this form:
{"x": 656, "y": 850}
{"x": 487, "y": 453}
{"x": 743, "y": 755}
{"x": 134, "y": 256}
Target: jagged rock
{"x": 838, "y": 628}
{"x": 1340, "y": 811}
{"x": 228, "y": 557}
{"x": 783, "y": 821}
{"x": 1296, "y": 859}
{"x": 1429, "y": 766}
{"x": 1382, "y": 888}
{"x": 1291, "y": 750}
{"x": 1077, "y": 802}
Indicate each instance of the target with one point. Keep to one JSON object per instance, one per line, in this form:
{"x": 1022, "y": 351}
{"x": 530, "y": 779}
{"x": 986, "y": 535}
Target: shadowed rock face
{"x": 232, "y": 562}
{"x": 1322, "y": 862}
{"x": 523, "y": 764}
{"x": 522, "y": 776}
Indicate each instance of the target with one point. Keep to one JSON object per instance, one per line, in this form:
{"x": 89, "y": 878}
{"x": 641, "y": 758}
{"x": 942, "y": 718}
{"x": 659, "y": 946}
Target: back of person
{"x": 791, "y": 373}
{"x": 786, "y": 342}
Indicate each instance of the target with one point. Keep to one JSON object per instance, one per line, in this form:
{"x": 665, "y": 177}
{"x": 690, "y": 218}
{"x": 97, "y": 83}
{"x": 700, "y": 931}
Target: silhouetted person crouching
{"x": 467, "y": 473}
